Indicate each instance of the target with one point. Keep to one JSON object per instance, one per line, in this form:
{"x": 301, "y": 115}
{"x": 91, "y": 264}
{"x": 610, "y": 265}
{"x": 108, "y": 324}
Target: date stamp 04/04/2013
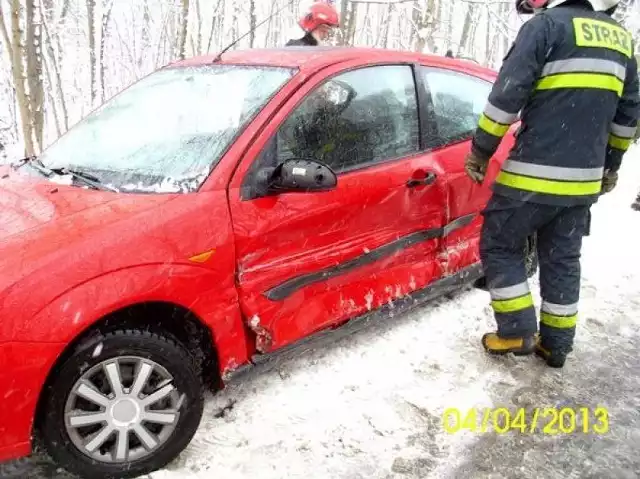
{"x": 547, "y": 421}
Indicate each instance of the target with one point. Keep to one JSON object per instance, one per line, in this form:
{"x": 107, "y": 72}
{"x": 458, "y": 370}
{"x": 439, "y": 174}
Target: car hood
{"x": 40, "y": 220}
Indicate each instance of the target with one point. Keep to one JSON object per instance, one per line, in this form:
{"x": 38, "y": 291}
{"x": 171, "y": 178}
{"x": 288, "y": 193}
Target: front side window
{"x": 457, "y": 101}
{"x": 168, "y": 130}
{"x": 354, "y": 119}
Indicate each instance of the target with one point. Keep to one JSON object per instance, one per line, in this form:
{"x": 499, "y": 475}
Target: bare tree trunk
{"x": 252, "y": 23}
{"x": 198, "y": 48}
{"x": 215, "y": 22}
{"x": 55, "y": 61}
{"x": 34, "y": 72}
{"x": 235, "y": 22}
{"x": 52, "y": 100}
{"x": 348, "y": 20}
{"x": 387, "y": 24}
{"x": 269, "y": 26}
{"x": 488, "y": 38}
{"x": 472, "y": 33}
{"x": 91, "y": 19}
{"x": 465, "y": 30}
{"x": 106, "y": 20}
{"x": 65, "y": 10}
{"x": 422, "y": 18}
{"x": 450, "y": 14}
{"x": 416, "y": 21}
{"x": 16, "y": 50}
{"x": 146, "y": 25}
{"x": 184, "y": 25}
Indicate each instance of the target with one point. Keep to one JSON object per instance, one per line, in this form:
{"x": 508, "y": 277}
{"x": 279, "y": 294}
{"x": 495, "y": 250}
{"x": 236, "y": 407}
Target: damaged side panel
{"x": 308, "y": 261}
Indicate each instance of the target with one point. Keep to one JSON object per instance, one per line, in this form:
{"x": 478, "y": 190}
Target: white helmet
{"x": 531, "y": 6}
{"x": 598, "y": 5}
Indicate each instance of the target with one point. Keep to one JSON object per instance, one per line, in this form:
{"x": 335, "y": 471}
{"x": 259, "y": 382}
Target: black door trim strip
{"x": 286, "y": 289}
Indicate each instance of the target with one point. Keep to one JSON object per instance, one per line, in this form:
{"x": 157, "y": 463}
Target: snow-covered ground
{"x": 370, "y": 405}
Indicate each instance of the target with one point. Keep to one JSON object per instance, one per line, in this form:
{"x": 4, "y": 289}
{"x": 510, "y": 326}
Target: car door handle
{"x": 427, "y": 180}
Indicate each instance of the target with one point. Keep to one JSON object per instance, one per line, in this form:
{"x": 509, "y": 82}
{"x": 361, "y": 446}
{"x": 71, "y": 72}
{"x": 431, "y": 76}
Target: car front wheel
{"x": 121, "y": 405}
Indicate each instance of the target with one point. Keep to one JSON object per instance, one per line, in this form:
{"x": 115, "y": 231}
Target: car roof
{"x": 316, "y": 58}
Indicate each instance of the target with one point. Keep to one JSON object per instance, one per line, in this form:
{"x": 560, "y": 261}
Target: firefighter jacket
{"x": 306, "y": 41}
{"x": 571, "y": 76}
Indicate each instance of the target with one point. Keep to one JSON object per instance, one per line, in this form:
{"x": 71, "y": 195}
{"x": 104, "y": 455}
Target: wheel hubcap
{"x": 122, "y": 409}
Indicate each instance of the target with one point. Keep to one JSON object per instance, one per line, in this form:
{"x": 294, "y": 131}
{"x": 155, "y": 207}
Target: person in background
{"x": 572, "y": 74}
{"x": 317, "y": 23}
{"x": 449, "y": 54}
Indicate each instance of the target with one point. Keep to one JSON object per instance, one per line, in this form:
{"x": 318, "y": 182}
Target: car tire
{"x": 152, "y": 415}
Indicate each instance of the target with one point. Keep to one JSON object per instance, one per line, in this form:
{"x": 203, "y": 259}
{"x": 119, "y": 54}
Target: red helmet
{"x": 319, "y": 13}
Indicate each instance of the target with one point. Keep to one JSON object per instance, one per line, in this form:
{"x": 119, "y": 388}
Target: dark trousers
{"x": 507, "y": 225}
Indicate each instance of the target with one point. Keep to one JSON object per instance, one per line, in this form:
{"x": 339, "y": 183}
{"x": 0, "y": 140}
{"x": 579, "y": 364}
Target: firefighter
{"x": 571, "y": 74}
{"x": 317, "y": 24}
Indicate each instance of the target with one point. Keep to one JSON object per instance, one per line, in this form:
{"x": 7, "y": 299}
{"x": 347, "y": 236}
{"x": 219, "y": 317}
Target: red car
{"x": 215, "y": 212}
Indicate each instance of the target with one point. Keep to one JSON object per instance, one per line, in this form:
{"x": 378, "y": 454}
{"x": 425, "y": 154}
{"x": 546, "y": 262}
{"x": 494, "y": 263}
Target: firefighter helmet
{"x": 319, "y": 13}
{"x": 530, "y": 6}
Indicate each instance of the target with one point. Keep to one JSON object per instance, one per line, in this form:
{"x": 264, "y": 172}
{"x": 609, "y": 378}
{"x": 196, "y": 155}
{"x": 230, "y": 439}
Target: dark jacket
{"x": 572, "y": 75}
{"x": 306, "y": 41}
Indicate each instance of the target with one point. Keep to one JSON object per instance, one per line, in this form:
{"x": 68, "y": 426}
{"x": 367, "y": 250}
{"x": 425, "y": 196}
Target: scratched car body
{"x": 217, "y": 211}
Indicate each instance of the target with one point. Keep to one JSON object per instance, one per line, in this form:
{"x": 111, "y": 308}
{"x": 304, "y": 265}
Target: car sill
{"x": 329, "y": 336}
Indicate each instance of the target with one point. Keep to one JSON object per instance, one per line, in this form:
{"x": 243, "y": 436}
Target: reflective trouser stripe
{"x": 553, "y": 187}
{"x": 560, "y": 322}
{"x": 619, "y": 143}
{"x": 559, "y": 309}
{"x": 512, "y": 305}
{"x": 561, "y": 316}
{"x": 581, "y": 80}
{"x": 492, "y": 127}
{"x": 509, "y": 292}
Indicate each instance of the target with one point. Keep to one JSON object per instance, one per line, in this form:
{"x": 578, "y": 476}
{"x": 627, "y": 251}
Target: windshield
{"x": 169, "y": 130}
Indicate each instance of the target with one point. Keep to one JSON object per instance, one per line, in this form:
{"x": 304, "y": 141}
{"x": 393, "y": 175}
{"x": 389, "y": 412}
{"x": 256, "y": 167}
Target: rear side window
{"x": 354, "y": 119}
{"x": 456, "y": 103}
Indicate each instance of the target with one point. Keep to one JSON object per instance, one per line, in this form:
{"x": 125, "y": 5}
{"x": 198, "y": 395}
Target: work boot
{"x": 494, "y": 344}
{"x": 552, "y": 358}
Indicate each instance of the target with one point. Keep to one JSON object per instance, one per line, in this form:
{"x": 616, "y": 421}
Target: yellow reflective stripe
{"x": 581, "y": 80}
{"x": 560, "y": 322}
{"x": 537, "y": 185}
{"x": 620, "y": 143}
{"x": 599, "y": 34}
{"x": 492, "y": 127}
{"x": 512, "y": 305}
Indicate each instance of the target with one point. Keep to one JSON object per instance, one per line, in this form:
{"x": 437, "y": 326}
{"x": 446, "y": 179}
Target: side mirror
{"x": 301, "y": 175}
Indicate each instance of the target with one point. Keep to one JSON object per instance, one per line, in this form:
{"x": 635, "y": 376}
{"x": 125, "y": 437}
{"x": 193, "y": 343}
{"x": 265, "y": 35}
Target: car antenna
{"x": 219, "y": 55}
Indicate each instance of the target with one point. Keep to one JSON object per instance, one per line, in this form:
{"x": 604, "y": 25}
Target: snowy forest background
{"x": 62, "y": 58}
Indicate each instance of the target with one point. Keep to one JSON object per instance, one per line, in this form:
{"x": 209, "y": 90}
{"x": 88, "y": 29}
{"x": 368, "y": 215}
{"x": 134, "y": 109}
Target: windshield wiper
{"x": 34, "y": 162}
{"x": 86, "y": 178}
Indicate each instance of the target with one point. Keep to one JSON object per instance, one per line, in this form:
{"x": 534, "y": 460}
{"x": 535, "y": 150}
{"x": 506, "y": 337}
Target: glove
{"x": 475, "y": 167}
{"x": 609, "y": 181}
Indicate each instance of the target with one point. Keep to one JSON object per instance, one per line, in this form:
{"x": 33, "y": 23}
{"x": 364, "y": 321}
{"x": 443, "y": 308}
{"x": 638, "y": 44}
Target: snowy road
{"x": 370, "y": 405}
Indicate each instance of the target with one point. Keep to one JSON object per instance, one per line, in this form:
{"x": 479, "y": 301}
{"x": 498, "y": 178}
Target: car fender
{"x": 211, "y": 298}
